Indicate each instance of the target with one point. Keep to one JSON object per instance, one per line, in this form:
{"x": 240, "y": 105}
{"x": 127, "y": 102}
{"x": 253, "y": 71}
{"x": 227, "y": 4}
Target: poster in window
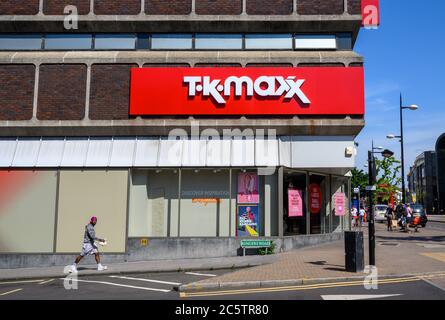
{"x": 295, "y": 202}
{"x": 315, "y": 198}
{"x": 248, "y": 188}
{"x": 248, "y": 221}
{"x": 340, "y": 204}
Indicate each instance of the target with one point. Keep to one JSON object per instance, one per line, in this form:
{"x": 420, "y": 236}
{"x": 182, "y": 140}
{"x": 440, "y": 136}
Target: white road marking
{"x": 118, "y": 285}
{"x": 24, "y": 281}
{"x": 47, "y": 281}
{"x": 147, "y": 280}
{"x": 9, "y": 292}
{"x": 357, "y": 296}
{"x": 201, "y": 274}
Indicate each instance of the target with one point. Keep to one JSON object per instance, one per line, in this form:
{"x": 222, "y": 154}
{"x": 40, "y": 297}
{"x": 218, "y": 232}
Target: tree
{"x": 359, "y": 180}
{"x": 388, "y": 178}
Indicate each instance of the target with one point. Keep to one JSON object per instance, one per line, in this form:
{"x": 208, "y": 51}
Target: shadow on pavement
{"x": 333, "y": 267}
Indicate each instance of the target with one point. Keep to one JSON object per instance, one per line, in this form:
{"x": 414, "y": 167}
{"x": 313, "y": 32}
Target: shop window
{"x": 340, "y": 208}
{"x": 205, "y": 203}
{"x": 27, "y": 211}
{"x": 154, "y": 203}
{"x": 295, "y": 211}
{"x": 269, "y": 41}
{"x": 317, "y": 195}
{"x": 219, "y": 41}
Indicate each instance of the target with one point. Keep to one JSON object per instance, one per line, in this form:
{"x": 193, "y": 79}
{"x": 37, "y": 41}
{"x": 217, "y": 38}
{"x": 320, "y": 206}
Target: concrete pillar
{"x": 36, "y": 91}
{"x": 270, "y": 205}
{"x": 280, "y": 200}
{"x": 87, "y": 95}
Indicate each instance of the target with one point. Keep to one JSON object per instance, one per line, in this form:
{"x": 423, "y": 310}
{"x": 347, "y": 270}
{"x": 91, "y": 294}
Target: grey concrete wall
{"x": 164, "y": 249}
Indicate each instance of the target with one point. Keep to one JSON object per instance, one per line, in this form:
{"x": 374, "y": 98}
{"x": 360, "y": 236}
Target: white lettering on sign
{"x": 264, "y": 86}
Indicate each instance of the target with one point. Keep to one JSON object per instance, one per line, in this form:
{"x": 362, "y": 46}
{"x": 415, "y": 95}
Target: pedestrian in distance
{"x": 354, "y": 215}
{"x": 362, "y": 216}
{"x": 89, "y": 246}
{"x": 409, "y": 215}
{"x": 389, "y": 217}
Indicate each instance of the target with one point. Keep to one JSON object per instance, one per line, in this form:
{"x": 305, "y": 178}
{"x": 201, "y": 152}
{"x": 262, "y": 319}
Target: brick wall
{"x": 56, "y": 7}
{"x": 168, "y": 7}
{"x": 269, "y": 7}
{"x": 20, "y": 7}
{"x": 117, "y": 7}
{"x": 62, "y": 92}
{"x": 16, "y": 91}
{"x": 306, "y": 7}
{"x": 219, "y": 7}
{"x": 355, "y": 6}
{"x": 173, "y": 7}
{"x": 110, "y": 91}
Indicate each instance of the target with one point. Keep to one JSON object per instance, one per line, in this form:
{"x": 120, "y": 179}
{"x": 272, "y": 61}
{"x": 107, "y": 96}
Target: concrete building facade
{"x": 422, "y": 182}
{"x": 170, "y": 185}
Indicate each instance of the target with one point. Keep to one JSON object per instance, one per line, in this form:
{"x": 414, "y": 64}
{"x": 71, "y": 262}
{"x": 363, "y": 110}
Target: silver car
{"x": 379, "y": 212}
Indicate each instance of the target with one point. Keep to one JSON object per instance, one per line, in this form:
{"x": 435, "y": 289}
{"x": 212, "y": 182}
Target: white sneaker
{"x": 101, "y": 267}
{"x": 73, "y": 269}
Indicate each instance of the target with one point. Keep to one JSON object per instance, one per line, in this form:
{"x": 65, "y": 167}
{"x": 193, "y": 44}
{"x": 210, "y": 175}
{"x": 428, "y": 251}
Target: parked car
{"x": 419, "y": 212}
{"x": 379, "y": 212}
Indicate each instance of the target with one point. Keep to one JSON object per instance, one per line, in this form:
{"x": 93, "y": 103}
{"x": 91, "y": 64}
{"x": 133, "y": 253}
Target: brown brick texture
{"x": 110, "y": 91}
{"x": 168, "y": 7}
{"x": 307, "y": 7}
{"x": 19, "y": 7}
{"x": 355, "y": 6}
{"x": 117, "y": 7}
{"x": 16, "y": 91}
{"x": 219, "y": 7}
{"x": 269, "y": 7}
{"x": 62, "y": 90}
{"x": 56, "y": 7}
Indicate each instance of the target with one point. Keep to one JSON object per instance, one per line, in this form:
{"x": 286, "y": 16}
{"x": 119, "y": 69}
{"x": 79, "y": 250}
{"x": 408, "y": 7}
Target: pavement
{"x": 435, "y": 218}
{"x": 398, "y": 254}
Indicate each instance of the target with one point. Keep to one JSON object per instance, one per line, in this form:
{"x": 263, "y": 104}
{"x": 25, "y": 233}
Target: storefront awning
{"x": 116, "y": 152}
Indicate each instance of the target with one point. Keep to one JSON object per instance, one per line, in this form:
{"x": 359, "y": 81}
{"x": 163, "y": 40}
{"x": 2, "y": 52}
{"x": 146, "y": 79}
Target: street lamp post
{"x": 391, "y": 136}
{"x": 372, "y": 180}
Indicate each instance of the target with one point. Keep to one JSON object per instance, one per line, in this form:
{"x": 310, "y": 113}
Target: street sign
{"x": 371, "y": 188}
{"x": 255, "y": 243}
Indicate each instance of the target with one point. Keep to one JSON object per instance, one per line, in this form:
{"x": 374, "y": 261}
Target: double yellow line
{"x": 305, "y": 287}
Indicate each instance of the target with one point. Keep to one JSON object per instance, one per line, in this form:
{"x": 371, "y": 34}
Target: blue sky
{"x": 406, "y": 54}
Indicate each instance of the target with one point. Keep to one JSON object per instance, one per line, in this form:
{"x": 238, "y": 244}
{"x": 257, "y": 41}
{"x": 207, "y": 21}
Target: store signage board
{"x": 247, "y": 91}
